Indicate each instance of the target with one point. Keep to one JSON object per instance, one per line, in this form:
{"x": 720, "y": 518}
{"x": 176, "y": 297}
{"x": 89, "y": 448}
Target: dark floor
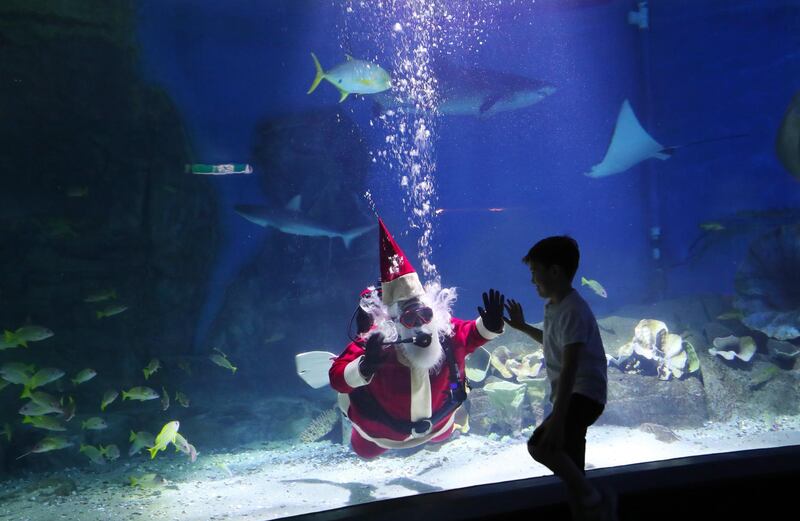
{"x": 683, "y": 489}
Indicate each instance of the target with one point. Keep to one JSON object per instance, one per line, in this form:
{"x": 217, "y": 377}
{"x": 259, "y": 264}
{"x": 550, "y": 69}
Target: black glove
{"x": 373, "y": 355}
{"x": 492, "y": 315}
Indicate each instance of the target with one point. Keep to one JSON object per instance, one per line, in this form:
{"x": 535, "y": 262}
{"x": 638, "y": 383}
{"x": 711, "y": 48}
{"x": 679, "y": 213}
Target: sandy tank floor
{"x": 270, "y": 481}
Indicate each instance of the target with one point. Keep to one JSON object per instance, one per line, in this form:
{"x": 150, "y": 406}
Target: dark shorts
{"x": 581, "y": 413}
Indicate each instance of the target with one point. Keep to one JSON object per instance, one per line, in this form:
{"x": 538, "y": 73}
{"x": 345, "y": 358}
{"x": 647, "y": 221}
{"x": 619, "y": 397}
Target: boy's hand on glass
{"x": 516, "y": 317}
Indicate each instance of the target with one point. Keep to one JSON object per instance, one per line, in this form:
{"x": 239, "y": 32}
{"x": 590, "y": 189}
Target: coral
{"x": 507, "y": 397}
{"x": 731, "y": 347}
{"x": 320, "y": 426}
{"x": 654, "y": 349}
{"x": 523, "y": 368}
{"x": 767, "y": 286}
{"x": 500, "y": 357}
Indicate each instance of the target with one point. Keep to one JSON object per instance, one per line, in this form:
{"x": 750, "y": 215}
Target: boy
{"x": 576, "y": 369}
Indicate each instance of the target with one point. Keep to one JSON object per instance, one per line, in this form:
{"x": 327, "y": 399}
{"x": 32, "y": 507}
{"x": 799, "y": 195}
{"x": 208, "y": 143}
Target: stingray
{"x": 631, "y": 144}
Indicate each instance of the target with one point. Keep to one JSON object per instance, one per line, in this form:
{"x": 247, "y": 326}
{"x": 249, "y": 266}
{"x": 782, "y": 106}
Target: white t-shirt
{"x": 569, "y": 322}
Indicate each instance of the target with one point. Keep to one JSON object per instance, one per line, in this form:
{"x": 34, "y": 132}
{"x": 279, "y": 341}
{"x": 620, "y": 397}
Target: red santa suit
{"x": 402, "y": 392}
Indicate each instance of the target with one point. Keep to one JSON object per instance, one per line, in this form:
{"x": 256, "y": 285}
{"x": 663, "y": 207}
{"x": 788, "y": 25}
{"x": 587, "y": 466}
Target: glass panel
{"x": 190, "y": 207}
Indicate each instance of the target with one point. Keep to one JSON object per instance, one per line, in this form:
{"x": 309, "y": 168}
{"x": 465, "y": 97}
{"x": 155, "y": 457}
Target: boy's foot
{"x": 603, "y": 510}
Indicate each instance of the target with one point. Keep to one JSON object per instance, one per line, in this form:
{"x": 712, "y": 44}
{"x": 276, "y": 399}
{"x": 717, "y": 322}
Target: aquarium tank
{"x": 209, "y": 207}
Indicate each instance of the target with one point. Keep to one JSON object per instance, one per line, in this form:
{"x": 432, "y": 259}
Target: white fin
{"x": 294, "y": 203}
{"x": 313, "y": 367}
{"x": 630, "y": 145}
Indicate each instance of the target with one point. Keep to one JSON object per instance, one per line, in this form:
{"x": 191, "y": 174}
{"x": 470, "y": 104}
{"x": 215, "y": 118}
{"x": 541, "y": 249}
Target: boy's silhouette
{"x": 576, "y": 369}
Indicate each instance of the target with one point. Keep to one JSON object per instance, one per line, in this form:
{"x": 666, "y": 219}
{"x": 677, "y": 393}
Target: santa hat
{"x": 399, "y": 280}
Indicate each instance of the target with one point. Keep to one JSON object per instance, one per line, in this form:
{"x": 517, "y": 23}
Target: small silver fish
{"x": 110, "y": 311}
{"x": 94, "y": 423}
{"x": 596, "y": 287}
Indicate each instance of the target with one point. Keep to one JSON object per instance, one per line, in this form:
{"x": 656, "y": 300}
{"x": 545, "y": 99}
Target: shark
{"x": 291, "y": 220}
{"x": 476, "y": 92}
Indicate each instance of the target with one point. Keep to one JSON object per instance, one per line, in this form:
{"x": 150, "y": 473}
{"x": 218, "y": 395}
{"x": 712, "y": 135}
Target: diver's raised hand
{"x": 516, "y": 317}
{"x": 492, "y": 311}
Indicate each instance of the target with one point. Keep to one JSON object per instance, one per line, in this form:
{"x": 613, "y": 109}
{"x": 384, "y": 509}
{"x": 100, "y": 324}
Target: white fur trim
{"x": 408, "y": 442}
{"x": 485, "y": 333}
{"x": 420, "y": 394}
{"x": 353, "y": 376}
{"x": 402, "y": 288}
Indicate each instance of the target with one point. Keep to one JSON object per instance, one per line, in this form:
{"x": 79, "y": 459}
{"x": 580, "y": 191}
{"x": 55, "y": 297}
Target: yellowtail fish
{"x": 164, "y": 399}
{"x": 712, "y": 227}
{"x": 84, "y": 376}
{"x": 48, "y": 444}
{"x": 26, "y": 334}
{"x": 223, "y": 169}
{"x": 596, "y": 287}
{"x": 95, "y": 423}
{"x": 69, "y": 409}
{"x": 42, "y": 398}
{"x": 42, "y": 377}
{"x": 165, "y": 437}
{"x": 140, "y": 440}
{"x": 147, "y": 480}
{"x": 151, "y": 368}
{"x": 112, "y": 310}
{"x": 77, "y": 191}
{"x": 44, "y": 422}
{"x": 182, "y": 445}
{"x": 182, "y": 399}
{"x": 37, "y": 409}
{"x": 352, "y": 77}
{"x": 111, "y": 452}
{"x": 101, "y": 296}
{"x": 108, "y": 397}
{"x": 93, "y": 453}
{"x": 221, "y": 360}
{"x": 139, "y": 393}
{"x": 16, "y": 373}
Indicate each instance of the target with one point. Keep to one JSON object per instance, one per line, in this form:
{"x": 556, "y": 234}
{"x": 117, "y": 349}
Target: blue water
{"x": 698, "y": 73}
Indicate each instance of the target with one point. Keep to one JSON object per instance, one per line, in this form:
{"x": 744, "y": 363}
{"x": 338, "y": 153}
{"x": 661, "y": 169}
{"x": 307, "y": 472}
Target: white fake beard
{"x": 429, "y": 358}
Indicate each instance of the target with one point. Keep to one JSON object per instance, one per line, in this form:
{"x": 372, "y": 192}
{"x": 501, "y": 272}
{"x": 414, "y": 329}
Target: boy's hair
{"x": 561, "y": 250}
